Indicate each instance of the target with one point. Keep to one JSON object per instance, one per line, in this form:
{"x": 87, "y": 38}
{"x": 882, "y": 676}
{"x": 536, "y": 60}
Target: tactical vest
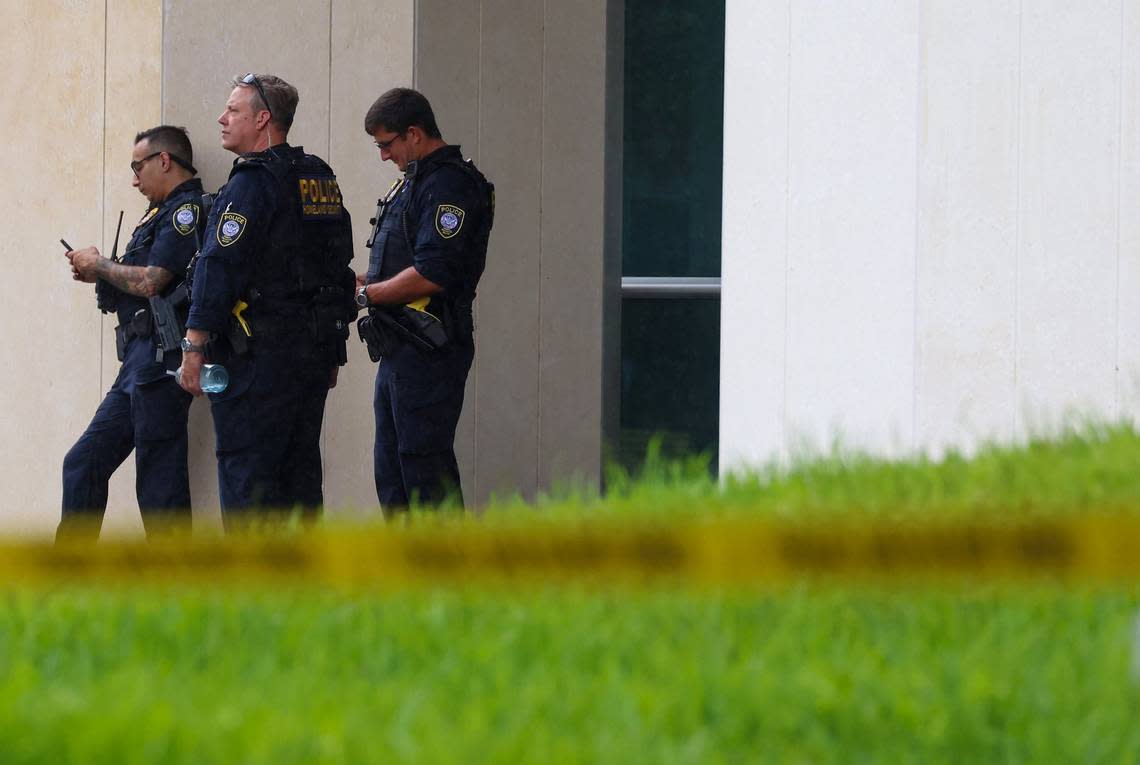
{"x": 137, "y": 251}
{"x": 302, "y": 279}
{"x": 309, "y": 242}
{"x": 391, "y": 245}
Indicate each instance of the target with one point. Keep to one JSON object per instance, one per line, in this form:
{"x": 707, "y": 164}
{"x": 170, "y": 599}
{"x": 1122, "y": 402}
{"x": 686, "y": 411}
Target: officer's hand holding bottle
{"x": 193, "y": 359}
{"x": 213, "y": 378}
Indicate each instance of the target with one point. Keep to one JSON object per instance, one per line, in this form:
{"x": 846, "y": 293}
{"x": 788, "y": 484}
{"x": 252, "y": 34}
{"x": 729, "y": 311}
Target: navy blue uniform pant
{"x": 267, "y": 427}
{"x": 149, "y": 418}
{"x": 417, "y": 402}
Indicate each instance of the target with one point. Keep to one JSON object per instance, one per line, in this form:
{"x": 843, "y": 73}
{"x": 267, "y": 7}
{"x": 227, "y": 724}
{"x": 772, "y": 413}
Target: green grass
{"x": 1081, "y": 468}
{"x": 568, "y": 676}
{"x": 545, "y": 675}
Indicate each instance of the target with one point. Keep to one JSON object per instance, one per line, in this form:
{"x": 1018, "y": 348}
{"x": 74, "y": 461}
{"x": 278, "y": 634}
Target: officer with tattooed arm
{"x": 145, "y": 410}
{"x": 427, "y": 251}
{"x": 271, "y": 299}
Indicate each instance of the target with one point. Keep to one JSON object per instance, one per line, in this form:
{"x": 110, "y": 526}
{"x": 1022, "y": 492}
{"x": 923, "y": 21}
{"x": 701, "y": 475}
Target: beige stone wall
{"x": 83, "y": 78}
{"x": 521, "y": 85}
{"x": 80, "y": 79}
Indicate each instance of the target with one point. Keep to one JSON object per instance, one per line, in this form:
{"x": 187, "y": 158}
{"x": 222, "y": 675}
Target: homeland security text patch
{"x": 230, "y": 228}
{"x": 184, "y": 218}
{"x": 320, "y": 197}
{"x": 448, "y": 220}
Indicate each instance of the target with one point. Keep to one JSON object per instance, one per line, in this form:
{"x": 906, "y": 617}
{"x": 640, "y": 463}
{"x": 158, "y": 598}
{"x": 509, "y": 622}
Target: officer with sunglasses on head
{"x": 271, "y": 300}
{"x": 145, "y": 410}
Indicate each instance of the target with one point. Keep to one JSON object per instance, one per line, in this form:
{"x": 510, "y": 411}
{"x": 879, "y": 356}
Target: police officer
{"x": 271, "y": 301}
{"x": 145, "y": 410}
{"x": 429, "y": 244}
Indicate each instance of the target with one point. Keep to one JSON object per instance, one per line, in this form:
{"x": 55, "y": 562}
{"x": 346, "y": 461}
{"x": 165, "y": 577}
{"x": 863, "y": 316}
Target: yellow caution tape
{"x": 714, "y": 553}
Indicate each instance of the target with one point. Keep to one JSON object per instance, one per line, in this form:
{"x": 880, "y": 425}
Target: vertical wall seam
{"x": 1019, "y": 223}
{"x": 330, "y": 103}
{"x": 162, "y": 64}
{"x": 324, "y": 438}
{"x": 1119, "y": 203}
{"x": 103, "y": 172}
{"x": 918, "y": 123}
{"x": 479, "y": 157}
{"x": 784, "y": 435}
{"x": 919, "y": 132}
{"x": 542, "y": 101}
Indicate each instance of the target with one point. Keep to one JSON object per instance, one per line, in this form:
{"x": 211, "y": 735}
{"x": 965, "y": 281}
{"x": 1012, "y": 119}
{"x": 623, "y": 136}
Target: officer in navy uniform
{"x": 145, "y": 410}
{"x": 272, "y": 300}
{"x": 429, "y": 242}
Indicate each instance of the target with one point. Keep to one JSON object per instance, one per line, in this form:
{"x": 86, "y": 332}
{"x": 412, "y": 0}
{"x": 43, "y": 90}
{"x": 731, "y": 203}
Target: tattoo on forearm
{"x": 143, "y": 281}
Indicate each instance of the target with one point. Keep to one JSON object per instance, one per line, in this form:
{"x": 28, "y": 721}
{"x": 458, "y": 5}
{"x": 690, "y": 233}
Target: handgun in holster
{"x": 169, "y": 315}
{"x": 427, "y": 327}
{"x": 385, "y": 329}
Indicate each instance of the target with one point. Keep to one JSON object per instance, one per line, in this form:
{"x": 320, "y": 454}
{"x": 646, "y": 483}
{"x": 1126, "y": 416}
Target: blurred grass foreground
{"x": 154, "y": 672}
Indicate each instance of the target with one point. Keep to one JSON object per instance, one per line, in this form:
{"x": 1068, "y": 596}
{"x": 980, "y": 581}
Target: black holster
{"x": 376, "y": 335}
{"x": 169, "y": 314}
{"x": 385, "y": 329}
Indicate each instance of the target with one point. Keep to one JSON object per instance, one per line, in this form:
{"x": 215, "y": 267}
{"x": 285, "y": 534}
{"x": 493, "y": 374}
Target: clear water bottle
{"x": 214, "y": 378}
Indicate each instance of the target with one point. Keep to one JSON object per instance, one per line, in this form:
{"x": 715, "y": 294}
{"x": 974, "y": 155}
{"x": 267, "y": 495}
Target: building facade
{"x": 749, "y": 227}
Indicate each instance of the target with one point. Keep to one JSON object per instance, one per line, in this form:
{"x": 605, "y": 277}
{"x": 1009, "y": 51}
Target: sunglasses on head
{"x": 251, "y": 79}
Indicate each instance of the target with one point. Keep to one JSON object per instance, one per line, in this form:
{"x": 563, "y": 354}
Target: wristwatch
{"x": 362, "y": 297}
{"x": 189, "y": 347}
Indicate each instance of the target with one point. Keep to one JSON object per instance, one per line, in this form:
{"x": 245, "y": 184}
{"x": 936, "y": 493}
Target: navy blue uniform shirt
{"x": 235, "y": 232}
{"x": 164, "y": 238}
{"x": 438, "y": 211}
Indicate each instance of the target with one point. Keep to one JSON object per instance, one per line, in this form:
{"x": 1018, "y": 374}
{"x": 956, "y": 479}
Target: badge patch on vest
{"x": 184, "y": 218}
{"x": 149, "y": 214}
{"x": 230, "y": 228}
{"x": 320, "y": 197}
{"x": 448, "y": 220}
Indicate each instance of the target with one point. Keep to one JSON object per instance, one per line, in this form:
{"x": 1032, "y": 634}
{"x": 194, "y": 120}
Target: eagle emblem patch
{"x": 230, "y": 228}
{"x": 448, "y": 220}
{"x": 184, "y": 218}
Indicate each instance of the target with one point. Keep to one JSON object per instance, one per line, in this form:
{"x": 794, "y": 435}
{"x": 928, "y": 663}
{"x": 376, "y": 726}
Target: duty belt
{"x": 138, "y": 325}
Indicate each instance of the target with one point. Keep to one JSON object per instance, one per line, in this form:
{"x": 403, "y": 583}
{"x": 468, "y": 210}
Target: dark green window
{"x": 671, "y": 219}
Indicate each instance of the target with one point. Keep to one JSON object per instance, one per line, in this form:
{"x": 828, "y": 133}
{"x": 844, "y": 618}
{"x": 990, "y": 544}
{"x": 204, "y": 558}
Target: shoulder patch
{"x": 230, "y": 228}
{"x": 448, "y": 220}
{"x": 185, "y": 217}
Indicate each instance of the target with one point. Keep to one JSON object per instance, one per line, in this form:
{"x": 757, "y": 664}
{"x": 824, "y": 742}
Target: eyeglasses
{"x": 383, "y": 145}
{"x": 137, "y": 165}
{"x": 251, "y": 79}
